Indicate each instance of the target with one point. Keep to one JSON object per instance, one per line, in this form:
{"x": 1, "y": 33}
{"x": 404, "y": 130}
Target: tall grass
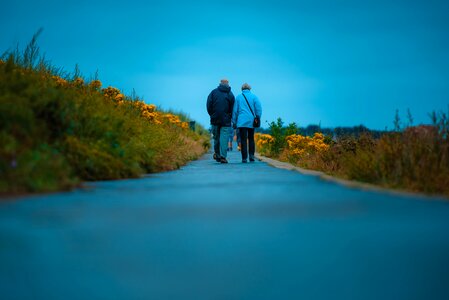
{"x": 414, "y": 158}
{"x": 56, "y": 130}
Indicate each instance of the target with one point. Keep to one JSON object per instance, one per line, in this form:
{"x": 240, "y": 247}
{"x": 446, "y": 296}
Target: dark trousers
{"x": 221, "y": 139}
{"x": 247, "y": 139}
{"x": 216, "y": 133}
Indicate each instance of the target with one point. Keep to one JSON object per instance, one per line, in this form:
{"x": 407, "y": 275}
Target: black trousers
{"x": 247, "y": 139}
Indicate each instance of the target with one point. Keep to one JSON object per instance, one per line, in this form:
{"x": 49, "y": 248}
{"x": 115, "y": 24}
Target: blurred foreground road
{"x": 236, "y": 231}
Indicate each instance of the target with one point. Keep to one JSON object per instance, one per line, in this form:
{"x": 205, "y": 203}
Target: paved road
{"x": 211, "y": 231}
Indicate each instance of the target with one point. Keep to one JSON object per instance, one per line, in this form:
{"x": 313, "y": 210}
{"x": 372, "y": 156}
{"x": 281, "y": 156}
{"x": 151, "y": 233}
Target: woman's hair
{"x": 246, "y": 86}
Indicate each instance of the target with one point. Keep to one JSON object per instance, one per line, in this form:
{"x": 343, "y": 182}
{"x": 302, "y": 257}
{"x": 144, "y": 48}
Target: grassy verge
{"x": 57, "y": 130}
{"x": 414, "y": 158}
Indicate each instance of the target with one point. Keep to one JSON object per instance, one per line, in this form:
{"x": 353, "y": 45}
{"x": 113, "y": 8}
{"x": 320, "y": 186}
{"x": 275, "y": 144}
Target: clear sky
{"x": 341, "y": 63}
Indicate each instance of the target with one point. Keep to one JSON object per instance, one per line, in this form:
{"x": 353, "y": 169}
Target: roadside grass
{"x": 414, "y": 158}
{"x": 57, "y": 130}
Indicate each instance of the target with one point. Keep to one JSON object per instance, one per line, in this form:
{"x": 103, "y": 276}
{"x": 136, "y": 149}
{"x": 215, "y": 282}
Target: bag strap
{"x": 249, "y": 105}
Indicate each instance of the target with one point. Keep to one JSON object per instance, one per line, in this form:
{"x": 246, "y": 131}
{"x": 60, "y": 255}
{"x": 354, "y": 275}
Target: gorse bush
{"x": 415, "y": 158}
{"x": 300, "y": 147}
{"x": 56, "y": 130}
{"x": 278, "y": 133}
{"x": 265, "y": 143}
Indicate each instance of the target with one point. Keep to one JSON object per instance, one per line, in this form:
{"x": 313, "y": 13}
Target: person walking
{"x": 247, "y": 107}
{"x": 220, "y": 104}
{"x": 239, "y": 144}
{"x": 231, "y": 139}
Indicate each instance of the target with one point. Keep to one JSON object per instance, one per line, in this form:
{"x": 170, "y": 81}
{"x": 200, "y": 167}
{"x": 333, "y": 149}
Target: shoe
{"x": 244, "y": 161}
{"x": 251, "y": 160}
{"x": 216, "y": 157}
{"x": 223, "y": 160}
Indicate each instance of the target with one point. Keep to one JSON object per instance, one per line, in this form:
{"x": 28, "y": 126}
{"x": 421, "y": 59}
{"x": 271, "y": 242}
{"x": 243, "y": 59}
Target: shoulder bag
{"x": 256, "y": 122}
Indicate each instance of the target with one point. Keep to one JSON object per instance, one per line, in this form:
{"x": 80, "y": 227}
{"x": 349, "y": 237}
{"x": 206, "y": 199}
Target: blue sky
{"x": 341, "y": 63}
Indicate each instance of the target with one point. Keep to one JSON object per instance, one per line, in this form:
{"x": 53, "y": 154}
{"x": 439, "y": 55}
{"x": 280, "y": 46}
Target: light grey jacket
{"x": 241, "y": 115}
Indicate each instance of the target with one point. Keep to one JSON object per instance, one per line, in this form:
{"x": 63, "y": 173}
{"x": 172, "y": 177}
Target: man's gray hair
{"x": 246, "y": 86}
{"x": 224, "y": 81}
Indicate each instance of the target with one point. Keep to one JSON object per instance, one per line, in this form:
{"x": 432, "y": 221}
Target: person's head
{"x": 246, "y": 86}
{"x": 224, "y": 81}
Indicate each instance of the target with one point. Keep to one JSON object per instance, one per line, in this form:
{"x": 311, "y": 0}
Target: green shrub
{"x": 56, "y": 130}
{"x": 414, "y": 158}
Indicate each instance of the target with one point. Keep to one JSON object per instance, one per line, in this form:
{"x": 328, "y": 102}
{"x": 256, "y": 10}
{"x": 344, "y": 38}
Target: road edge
{"x": 347, "y": 183}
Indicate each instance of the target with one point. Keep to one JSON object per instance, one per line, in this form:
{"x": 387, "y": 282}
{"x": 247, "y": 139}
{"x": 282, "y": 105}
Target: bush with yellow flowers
{"x": 264, "y": 143}
{"x": 113, "y": 94}
{"x": 61, "y": 82}
{"x": 95, "y": 84}
{"x": 184, "y": 125}
{"x": 172, "y": 119}
{"x": 56, "y": 132}
{"x": 300, "y": 146}
{"x": 78, "y": 82}
{"x": 110, "y": 92}
{"x": 148, "y": 112}
{"x": 412, "y": 158}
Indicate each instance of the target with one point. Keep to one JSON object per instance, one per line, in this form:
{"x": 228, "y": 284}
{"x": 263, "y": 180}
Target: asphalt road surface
{"x": 216, "y": 231}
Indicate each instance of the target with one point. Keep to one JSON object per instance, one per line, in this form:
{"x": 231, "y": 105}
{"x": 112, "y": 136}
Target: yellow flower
{"x": 95, "y": 84}
{"x": 139, "y": 104}
{"x": 263, "y": 140}
{"x": 299, "y": 146}
{"x": 318, "y": 136}
{"x": 110, "y": 92}
{"x": 172, "y": 118}
{"x": 59, "y": 81}
{"x": 150, "y": 108}
{"x": 119, "y": 97}
{"x": 78, "y": 82}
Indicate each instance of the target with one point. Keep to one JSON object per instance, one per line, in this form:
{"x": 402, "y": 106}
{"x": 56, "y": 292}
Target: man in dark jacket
{"x": 220, "y": 104}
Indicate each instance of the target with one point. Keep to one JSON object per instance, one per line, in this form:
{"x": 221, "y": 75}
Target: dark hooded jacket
{"x": 220, "y": 104}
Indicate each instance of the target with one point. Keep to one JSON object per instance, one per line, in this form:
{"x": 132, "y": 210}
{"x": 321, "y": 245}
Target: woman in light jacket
{"x": 246, "y": 108}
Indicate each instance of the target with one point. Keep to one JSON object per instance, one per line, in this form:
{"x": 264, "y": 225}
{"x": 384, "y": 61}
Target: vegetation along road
{"x": 224, "y": 231}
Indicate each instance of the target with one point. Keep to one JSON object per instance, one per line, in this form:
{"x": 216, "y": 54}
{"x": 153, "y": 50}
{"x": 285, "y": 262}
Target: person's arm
{"x": 232, "y": 100}
{"x": 235, "y": 112}
{"x": 209, "y": 104}
{"x": 257, "y": 107}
